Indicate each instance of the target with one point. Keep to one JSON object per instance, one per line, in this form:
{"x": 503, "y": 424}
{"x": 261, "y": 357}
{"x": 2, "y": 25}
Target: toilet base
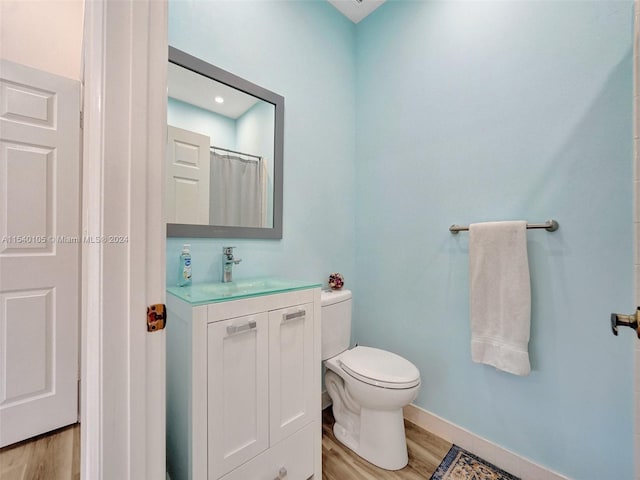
{"x": 376, "y": 435}
{"x": 382, "y": 438}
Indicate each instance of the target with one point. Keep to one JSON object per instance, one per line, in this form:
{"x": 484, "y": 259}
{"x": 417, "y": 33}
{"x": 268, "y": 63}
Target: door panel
{"x": 28, "y": 171}
{"x": 27, "y": 104}
{"x": 39, "y": 251}
{"x": 28, "y": 326}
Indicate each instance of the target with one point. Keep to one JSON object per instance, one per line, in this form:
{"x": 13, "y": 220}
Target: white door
{"x": 291, "y": 370}
{"x": 187, "y": 177}
{"x": 238, "y": 391}
{"x": 39, "y": 251}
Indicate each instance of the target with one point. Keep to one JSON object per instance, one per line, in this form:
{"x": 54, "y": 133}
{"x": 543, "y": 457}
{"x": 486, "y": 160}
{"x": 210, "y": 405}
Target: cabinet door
{"x": 291, "y": 370}
{"x": 238, "y": 398}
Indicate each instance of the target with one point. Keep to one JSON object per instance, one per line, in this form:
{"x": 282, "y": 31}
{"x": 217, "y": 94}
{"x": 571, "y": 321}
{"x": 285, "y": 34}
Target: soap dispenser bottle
{"x": 184, "y": 272}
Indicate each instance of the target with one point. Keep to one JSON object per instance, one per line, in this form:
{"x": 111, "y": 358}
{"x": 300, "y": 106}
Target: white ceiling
{"x": 201, "y": 91}
{"x": 356, "y": 10}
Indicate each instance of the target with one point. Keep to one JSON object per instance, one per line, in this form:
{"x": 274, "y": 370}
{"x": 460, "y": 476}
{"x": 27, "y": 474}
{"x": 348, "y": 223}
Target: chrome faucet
{"x": 227, "y": 264}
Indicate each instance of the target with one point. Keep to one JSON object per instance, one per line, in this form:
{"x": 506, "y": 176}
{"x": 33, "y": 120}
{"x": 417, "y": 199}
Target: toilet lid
{"x": 379, "y": 367}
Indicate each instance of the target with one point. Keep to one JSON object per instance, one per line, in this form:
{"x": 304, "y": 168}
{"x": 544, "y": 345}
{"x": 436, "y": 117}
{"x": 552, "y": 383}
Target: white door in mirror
{"x": 187, "y": 177}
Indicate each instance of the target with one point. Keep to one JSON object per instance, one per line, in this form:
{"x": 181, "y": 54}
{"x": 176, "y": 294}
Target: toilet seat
{"x": 379, "y": 368}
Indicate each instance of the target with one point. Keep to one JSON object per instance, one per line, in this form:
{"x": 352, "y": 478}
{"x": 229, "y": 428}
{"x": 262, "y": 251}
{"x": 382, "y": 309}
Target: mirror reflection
{"x": 220, "y": 153}
{"x": 224, "y": 153}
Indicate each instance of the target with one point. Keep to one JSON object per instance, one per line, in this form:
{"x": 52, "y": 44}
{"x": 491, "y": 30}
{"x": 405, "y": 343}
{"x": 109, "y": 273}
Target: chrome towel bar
{"x": 549, "y": 226}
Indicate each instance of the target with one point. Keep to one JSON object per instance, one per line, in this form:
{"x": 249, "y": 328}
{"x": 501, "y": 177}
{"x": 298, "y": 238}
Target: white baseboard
{"x": 499, "y": 456}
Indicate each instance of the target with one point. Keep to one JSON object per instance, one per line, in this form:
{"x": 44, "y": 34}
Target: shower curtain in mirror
{"x": 237, "y": 191}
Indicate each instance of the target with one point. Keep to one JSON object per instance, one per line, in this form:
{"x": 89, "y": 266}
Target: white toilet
{"x": 368, "y": 388}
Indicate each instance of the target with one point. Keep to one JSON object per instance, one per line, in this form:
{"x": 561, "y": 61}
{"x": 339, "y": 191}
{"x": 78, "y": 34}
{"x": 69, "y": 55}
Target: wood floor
{"x": 56, "y": 456}
{"x": 52, "y": 456}
{"x": 426, "y": 451}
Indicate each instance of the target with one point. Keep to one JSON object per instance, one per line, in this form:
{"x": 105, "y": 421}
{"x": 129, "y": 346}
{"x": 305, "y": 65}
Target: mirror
{"x": 224, "y": 153}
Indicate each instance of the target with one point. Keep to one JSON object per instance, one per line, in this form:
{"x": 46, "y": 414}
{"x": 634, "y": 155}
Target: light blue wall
{"x": 441, "y": 113}
{"x": 477, "y": 111}
{"x": 303, "y": 51}
{"x": 254, "y": 130}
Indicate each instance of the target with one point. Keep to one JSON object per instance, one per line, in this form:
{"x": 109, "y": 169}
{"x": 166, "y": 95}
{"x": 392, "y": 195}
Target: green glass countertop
{"x": 213, "y": 292}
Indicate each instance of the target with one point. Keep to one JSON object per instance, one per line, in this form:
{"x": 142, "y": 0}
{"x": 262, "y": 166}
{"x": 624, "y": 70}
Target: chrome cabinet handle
{"x": 281, "y": 474}
{"x": 232, "y": 329}
{"x": 287, "y": 317}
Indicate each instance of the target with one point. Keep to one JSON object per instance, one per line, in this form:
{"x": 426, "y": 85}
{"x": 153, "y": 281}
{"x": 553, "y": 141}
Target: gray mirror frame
{"x": 201, "y": 67}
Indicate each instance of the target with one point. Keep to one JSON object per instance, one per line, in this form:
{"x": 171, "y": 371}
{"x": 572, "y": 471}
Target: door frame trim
{"x": 125, "y": 55}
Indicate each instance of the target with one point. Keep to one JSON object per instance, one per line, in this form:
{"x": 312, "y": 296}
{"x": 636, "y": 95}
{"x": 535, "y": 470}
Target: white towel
{"x": 500, "y": 295}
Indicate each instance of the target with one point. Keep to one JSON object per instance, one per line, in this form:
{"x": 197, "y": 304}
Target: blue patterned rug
{"x": 462, "y": 465}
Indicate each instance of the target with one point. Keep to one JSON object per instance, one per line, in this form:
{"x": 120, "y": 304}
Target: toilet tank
{"x": 336, "y": 322}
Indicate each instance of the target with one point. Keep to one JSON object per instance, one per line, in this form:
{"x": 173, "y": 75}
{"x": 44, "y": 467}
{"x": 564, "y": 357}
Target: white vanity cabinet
{"x": 243, "y": 388}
